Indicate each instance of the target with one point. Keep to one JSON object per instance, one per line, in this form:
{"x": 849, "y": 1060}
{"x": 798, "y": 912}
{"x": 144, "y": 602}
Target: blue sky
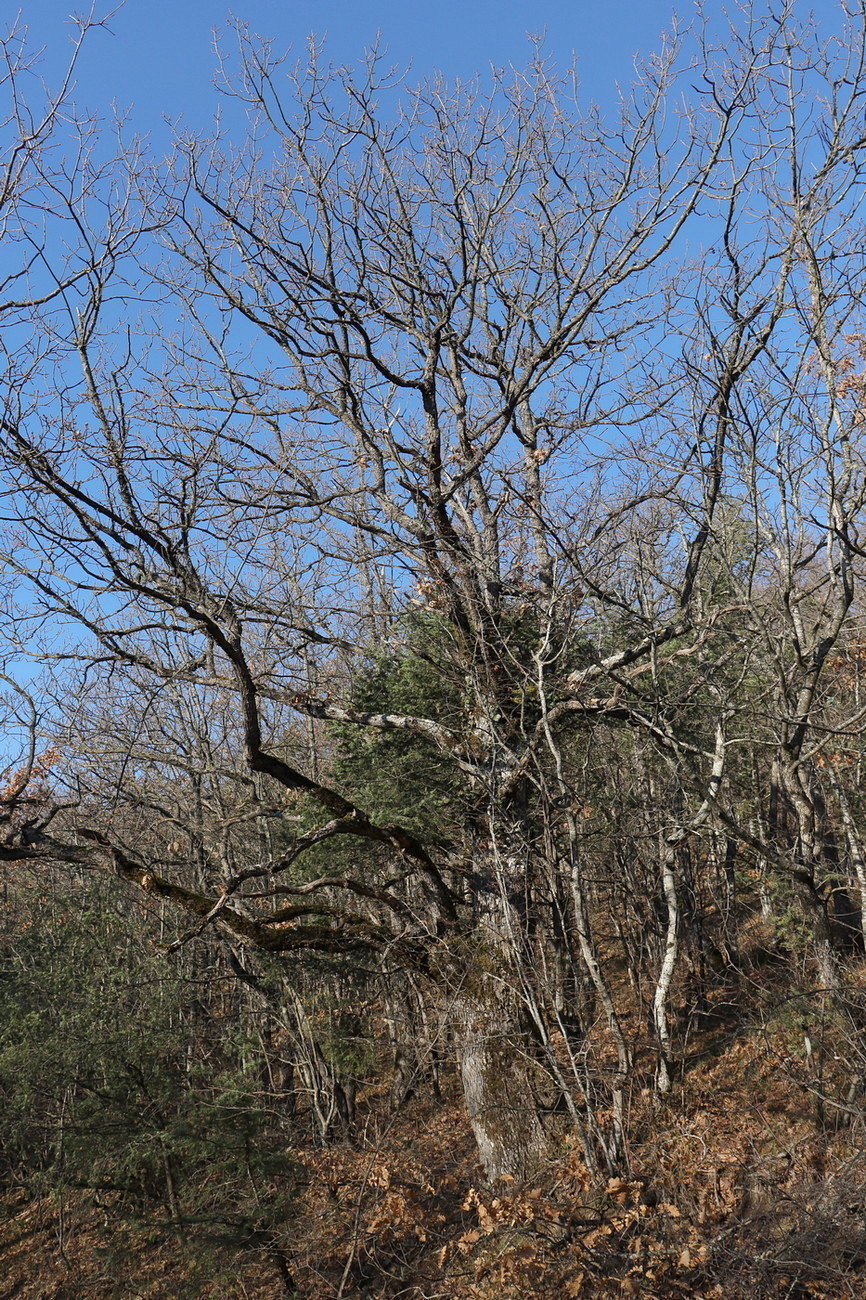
{"x": 157, "y": 59}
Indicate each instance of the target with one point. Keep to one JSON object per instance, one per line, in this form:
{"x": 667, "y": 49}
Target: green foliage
{"x": 400, "y": 776}
{"x": 115, "y": 1079}
{"x": 791, "y": 930}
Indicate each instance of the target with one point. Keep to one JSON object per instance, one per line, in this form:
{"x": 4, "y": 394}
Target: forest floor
{"x": 747, "y": 1180}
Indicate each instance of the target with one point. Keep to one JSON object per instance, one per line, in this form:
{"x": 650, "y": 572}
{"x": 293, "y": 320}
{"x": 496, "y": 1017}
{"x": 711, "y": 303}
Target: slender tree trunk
{"x": 855, "y": 845}
{"x": 672, "y": 846}
{"x": 593, "y": 966}
{"x": 669, "y": 961}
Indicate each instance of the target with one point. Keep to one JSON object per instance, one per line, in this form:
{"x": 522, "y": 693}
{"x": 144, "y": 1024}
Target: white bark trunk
{"x": 600, "y": 984}
{"x": 666, "y": 974}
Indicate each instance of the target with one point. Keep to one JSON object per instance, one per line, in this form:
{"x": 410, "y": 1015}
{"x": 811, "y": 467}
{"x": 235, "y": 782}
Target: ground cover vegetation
{"x": 433, "y": 527}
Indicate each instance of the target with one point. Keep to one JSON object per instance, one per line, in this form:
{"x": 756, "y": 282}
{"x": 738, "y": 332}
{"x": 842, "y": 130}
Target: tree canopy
{"x": 433, "y": 525}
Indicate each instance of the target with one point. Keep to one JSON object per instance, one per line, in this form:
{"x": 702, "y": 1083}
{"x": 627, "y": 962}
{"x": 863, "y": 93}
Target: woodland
{"x": 432, "y": 825}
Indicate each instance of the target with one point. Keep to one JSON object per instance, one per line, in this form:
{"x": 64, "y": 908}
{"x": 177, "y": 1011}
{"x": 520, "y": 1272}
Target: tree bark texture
{"x": 497, "y": 1083}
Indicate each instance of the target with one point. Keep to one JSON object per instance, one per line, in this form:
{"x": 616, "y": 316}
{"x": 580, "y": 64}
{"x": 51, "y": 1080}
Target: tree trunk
{"x": 856, "y": 855}
{"x": 809, "y": 859}
{"x": 495, "y": 1068}
{"x": 494, "y": 1043}
{"x": 669, "y": 961}
{"x": 815, "y": 913}
{"x": 602, "y": 988}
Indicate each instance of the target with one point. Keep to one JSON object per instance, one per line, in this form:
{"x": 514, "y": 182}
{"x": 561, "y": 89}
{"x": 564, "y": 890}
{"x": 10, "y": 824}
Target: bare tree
{"x": 451, "y": 386}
